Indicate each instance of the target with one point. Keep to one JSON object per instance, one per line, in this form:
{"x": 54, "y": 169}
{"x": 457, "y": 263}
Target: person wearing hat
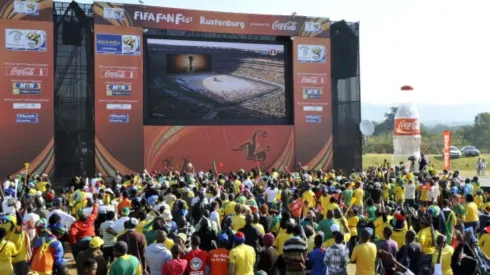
{"x": 55, "y": 248}
{"x": 364, "y": 254}
{"x": 219, "y": 258}
{"x": 125, "y": 263}
{"x": 136, "y": 241}
{"x": 92, "y": 252}
{"x": 242, "y": 257}
{"x": 82, "y": 230}
{"x": 157, "y": 254}
{"x": 118, "y": 226}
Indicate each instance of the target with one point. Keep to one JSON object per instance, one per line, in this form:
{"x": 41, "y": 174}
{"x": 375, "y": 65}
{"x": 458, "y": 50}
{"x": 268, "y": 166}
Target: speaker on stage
{"x": 72, "y": 33}
{"x": 345, "y": 51}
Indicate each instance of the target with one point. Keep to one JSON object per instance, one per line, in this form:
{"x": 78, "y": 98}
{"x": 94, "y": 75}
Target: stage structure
{"x": 158, "y": 88}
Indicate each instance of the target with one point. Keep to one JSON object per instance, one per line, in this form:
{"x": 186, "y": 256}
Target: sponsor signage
{"x": 26, "y": 88}
{"x": 25, "y": 40}
{"x": 313, "y": 118}
{"x": 24, "y": 70}
{"x": 26, "y": 7}
{"x": 313, "y": 108}
{"x": 118, "y": 73}
{"x": 118, "y": 89}
{"x": 118, "y": 118}
{"x": 118, "y": 106}
{"x": 27, "y": 118}
{"x": 313, "y": 26}
{"x": 117, "y": 44}
{"x": 312, "y": 93}
{"x": 312, "y": 53}
{"x": 447, "y": 150}
{"x": 27, "y": 106}
{"x": 114, "y": 13}
{"x": 312, "y": 79}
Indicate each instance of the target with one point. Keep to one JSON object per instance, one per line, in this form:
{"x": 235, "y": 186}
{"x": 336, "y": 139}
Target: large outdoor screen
{"x": 222, "y": 82}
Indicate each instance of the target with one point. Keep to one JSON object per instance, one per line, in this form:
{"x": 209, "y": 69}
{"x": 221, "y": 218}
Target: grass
{"x": 466, "y": 166}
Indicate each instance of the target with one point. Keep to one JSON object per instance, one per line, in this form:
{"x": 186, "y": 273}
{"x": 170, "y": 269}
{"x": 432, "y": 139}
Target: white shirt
{"x": 434, "y": 192}
{"x": 118, "y": 225}
{"x": 410, "y": 191}
{"x": 157, "y": 255}
{"x": 66, "y": 219}
{"x": 248, "y": 184}
{"x": 6, "y": 185}
{"x": 109, "y": 239}
{"x": 271, "y": 194}
{"x": 214, "y": 216}
{"x": 9, "y": 209}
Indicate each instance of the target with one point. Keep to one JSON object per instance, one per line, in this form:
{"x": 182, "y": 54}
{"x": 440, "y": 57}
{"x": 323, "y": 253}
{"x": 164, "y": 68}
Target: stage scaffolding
{"x": 74, "y": 91}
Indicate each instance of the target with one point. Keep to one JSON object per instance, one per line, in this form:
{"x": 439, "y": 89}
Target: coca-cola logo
{"x": 118, "y": 74}
{"x": 312, "y": 79}
{"x": 289, "y": 26}
{"x": 407, "y": 127}
{"x": 25, "y": 71}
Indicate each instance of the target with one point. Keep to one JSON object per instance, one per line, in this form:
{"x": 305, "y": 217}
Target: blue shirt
{"x": 468, "y": 189}
{"x": 315, "y": 258}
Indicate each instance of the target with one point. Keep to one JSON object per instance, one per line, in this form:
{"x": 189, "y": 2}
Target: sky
{"x": 441, "y": 48}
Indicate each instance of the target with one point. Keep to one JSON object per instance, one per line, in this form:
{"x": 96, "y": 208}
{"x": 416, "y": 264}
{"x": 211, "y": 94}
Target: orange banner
{"x": 209, "y": 21}
{"x": 447, "y": 150}
{"x": 312, "y": 102}
{"x": 118, "y": 99}
{"x": 26, "y": 87}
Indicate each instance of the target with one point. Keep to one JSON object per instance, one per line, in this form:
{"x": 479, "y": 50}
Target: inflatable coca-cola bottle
{"x": 406, "y": 133}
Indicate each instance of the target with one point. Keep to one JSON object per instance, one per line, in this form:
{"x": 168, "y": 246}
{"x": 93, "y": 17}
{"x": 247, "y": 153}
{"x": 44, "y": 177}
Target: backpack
{"x": 43, "y": 260}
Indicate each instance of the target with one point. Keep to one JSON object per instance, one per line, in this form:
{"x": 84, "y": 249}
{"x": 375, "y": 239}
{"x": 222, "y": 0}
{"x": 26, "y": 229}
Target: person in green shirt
{"x": 124, "y": 264}
{"x": 347, "y": 196}
{"x": 325, "y": 225}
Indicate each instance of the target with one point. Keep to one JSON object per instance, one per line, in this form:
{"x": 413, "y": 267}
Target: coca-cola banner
{"x": 26, "y": 87}
{"x": 312, "y": 102}
{"x": 118, "y": 99}
{"x": 209, "y": 21}
{"x": 447, "y": 149}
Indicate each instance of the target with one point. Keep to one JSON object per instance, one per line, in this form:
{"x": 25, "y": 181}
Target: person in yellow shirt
{"x": 7, "y": 252}
{"x": 427, "y": 240}
{"x": 479, "y": 199}
{"x": 324, "y": 202}
{"x": 242, "y": 257}
{"x": 359, "y": 195}
{"x": 364, "y": 255}
{"x": 256, "y": 223}
{"x": 400, "y": 228}
{"x": 238, "y": 220}
{"x": 399, "y": 193}
{"x": 282, "y": 238}
{"x": 443, "y": 255}
{"x": 471, "y": 216}
{"x": 386, "y": 191}
{"x": 484, "y": 241}
{"x": 352, "y": 222}
{"x": 309, "y": 199}
{"x": 229, "y": 207}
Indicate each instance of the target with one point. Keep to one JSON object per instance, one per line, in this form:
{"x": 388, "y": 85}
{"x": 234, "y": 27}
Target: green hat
{"x": 125, "y": 211}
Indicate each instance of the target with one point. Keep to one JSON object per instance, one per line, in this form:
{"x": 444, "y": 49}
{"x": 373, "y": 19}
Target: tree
{"x": 388, "y": 124}
{"x": 481, "y": 130}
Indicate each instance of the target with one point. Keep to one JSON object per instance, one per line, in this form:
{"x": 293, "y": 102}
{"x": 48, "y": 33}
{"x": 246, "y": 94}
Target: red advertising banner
{"x": 118, "y": 99}
{"x": 312, "y": 102}
{"x": 208, "y": 21}
{"x": 231, "y": 148}
{"x": 447, "y": 150}
{"x": 26, "y": 87}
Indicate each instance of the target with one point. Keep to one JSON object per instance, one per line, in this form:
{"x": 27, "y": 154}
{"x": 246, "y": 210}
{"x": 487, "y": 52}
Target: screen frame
{"x": 288, "y": 84}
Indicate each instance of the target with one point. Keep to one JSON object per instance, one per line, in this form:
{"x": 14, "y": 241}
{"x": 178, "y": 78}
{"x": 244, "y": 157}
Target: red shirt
{"x": 196, "y": 262}
{"x": 218, "y": 261}
{"x": 174, "y": 267}
{"x": 82, "y": 229}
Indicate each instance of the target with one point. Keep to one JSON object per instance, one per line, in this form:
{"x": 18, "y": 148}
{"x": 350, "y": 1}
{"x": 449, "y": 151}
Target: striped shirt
{"x": 295, "y": 254}
{"x": 109, "y": 239}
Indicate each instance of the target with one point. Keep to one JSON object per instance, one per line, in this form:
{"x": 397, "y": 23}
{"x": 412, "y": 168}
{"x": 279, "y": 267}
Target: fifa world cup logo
{"x": 191, "y": 66}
